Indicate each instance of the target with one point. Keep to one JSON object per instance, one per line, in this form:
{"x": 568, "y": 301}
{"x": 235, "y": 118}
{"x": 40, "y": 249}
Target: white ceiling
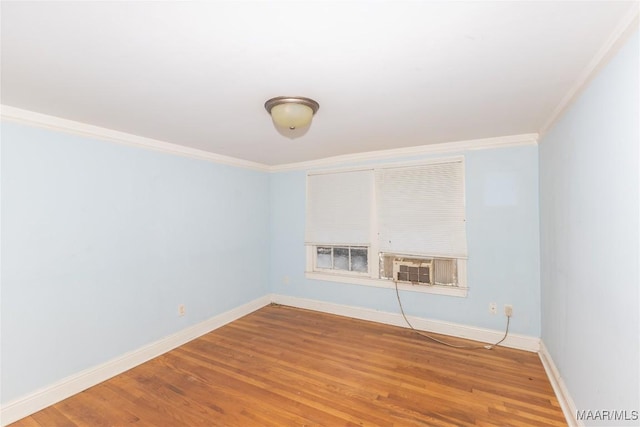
{"x": 386, "y": 74}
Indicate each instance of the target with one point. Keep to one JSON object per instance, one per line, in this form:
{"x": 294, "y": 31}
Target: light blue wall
{"x": 101, "y": 242}
{"x": 503, "y": 246}
{"x": 589, "y": 240}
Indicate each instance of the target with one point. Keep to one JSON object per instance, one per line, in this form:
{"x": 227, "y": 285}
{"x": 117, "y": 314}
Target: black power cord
{"x": 487, "y": 347}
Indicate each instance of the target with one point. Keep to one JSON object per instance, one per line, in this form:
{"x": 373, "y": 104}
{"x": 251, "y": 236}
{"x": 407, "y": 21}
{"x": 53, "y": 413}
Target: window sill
{"x": 381, "y": 283}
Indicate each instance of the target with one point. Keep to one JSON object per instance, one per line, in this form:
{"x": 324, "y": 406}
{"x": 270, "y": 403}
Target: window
{"x": 420, "y": 210}
{"x": 344, "y": 258}
{"x": 393, "y": 223}
{"x": 338, "y": 221}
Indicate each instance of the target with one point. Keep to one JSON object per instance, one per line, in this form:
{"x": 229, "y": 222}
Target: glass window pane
{"x": 323, "y": 257}
{"x": 341, "y": 258}
{"x": 359, "y": 260}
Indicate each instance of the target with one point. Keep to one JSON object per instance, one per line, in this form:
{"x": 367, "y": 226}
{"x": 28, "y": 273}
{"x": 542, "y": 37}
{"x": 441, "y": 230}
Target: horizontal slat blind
{"x": 339, "y": 208}
{"x": 421, "y": 210}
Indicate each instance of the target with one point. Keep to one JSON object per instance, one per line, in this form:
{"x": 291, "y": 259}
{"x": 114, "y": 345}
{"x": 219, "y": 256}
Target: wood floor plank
{"x": 255, "y": 383}
{"x": 52, "y": 416}
{"x": 30, "y": 422}
{"x": 282, "y": 366}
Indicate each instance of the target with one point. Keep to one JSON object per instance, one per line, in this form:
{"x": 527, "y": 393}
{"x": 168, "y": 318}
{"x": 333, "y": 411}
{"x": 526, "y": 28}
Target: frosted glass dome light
{"x": 291, "y": 114}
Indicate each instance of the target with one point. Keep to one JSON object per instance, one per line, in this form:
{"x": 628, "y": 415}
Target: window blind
{"x": 339, "y": 208}
{"x": 421, "y": 210}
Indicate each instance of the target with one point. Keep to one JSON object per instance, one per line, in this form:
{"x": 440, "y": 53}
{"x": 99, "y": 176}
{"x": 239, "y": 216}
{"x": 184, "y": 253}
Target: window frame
{"x": 372, "y": 277}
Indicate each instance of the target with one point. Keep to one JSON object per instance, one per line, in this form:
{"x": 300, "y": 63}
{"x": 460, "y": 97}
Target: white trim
{"x": 31, "y": 118}
{"x": 521, "y": 342}
{"x": 381, "y": 283}
{"x": 559, "y": 387}
{"x": 617, "y": 38}
{"x": 80, "y": 381}
{"x": 445, "y": 147}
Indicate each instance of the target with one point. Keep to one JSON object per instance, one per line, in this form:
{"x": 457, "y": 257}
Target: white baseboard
{"x": 40, "y": 399}
{"x": 76, "y": 383}
{"x": 559, "y": 387}
{"x": 521, "y": 342}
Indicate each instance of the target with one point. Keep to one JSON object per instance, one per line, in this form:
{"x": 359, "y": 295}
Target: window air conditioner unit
{"x": 413, "y": 270}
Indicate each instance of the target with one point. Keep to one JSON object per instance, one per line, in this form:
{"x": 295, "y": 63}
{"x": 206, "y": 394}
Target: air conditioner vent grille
{"x": 417, "y": 271}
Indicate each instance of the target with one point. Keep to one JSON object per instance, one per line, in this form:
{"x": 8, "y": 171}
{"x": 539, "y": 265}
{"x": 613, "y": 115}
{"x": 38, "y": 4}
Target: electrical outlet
{"x": 493, "y": 308}
{"x": 181, "y": 310}
{"x": 285, "y": 280}
{"x": 508, "y": 310}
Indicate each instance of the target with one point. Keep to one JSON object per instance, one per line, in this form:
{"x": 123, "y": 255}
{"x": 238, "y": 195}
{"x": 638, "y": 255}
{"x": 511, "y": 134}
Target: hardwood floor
{"x": 282, "y": 366}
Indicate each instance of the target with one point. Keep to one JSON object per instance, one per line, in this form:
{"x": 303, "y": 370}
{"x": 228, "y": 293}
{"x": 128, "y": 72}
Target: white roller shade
{"x": 339, "y": 208}
{"x": 421, "y": 210}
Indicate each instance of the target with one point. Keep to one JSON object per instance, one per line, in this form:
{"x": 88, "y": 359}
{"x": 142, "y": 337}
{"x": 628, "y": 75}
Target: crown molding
{"x": 31, "y": 118}
{"x": 445, "y": 147}
{"x": 617, "y": 38}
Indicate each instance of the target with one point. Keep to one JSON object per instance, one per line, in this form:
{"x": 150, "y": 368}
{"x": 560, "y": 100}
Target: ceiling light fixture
{"x": 291, "y": 115}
